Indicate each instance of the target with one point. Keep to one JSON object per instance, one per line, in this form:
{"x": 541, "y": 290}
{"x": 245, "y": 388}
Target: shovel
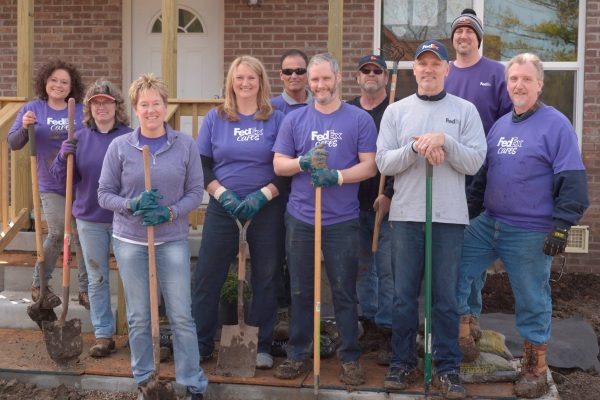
{"x": 38, "y": 311}
{"x": 239, "y": 343}
{"x": 63, "y": 338}
{"x": 428, "y": 259}
{"x": 317, "y": 294}
{"x": 155, "y": 389}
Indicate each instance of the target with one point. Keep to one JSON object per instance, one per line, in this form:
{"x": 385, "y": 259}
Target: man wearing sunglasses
{"x": 294, "y": 77}
{"x": 375, "y": 284}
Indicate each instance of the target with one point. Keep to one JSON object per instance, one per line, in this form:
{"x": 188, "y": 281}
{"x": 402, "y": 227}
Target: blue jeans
{"x": 95, "y": 240}
{"x": 375, "y": 282}
{"x": 340, "y": 251}
{"x": 528, "y": 268}
{"x": 53, "y": 205}
{"x": 219, "y": 247}
{"x": 408, "y": 260}
{"x": 475, "y": 301}
{"x": 173, "y": 273}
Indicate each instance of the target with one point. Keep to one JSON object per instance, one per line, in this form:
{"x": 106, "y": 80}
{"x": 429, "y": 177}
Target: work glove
{"x": 315, "y": 158}
{"x": 154, "y": 216}
{"x": 556, "y": 241}
{"x": 229, "y": 200}
{"x": 146, "y": 200}
{"x": 326, "y": 177}
{"x": 67, "y": 147}
{"x": 253, "y": 203}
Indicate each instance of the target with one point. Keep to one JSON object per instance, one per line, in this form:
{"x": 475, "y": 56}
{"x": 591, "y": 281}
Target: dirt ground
{"x": 572, "y": 294}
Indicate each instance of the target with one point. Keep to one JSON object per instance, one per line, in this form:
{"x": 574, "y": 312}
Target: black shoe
{"x": 451, "y": 387}
{"x": 398, "y": 378}
{"x": 193, "y": 396}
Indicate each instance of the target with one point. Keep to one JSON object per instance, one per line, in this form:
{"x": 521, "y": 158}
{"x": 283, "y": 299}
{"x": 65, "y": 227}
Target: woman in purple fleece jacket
{"x": 177, "y": 180}
{"x": 104, "y": 119}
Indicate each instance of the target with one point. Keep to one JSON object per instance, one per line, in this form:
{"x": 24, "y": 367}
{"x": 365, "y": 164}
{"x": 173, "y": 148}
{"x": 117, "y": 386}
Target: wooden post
{"x": 20, "y": 170}
{"x": 335, "y": 38}
{"x": 169, "y": 45}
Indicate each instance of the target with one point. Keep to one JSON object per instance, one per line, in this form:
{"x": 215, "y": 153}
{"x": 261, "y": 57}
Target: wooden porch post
{"x": 20, "y": 170}
{"x": 169, "y": 45}
{"x": 336, "y": 34}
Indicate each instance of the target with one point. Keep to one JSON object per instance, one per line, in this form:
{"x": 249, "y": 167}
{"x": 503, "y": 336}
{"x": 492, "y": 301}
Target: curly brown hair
{"x": 39, "y": 83}
{"x": 103, "y": 86}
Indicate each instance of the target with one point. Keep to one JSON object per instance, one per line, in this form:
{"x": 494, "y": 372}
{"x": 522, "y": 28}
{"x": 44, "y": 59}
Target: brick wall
{"x": 267, "y": 31}
{"x": 85, "y": 33}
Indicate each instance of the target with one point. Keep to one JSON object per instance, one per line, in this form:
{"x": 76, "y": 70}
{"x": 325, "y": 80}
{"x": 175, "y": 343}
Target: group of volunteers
{"x": 508, "y": 183}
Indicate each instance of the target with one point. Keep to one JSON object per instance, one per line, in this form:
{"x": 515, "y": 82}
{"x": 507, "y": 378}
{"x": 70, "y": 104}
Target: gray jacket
{"x": 176, "y": 172}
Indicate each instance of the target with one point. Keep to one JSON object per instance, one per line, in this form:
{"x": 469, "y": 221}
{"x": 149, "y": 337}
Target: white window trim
{"x": 577, "y": 66}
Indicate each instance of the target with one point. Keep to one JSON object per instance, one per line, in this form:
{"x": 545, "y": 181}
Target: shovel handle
{"x": 317, "y": 294}
{"x": 428, "y": 270}
{"x": 152, "y": 270}
{"x": 241, "y": 270}
{"x": 39, "y": 246}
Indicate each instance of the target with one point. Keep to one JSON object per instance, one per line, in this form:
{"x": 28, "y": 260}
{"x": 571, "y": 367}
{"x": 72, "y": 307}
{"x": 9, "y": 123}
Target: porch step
{"x": 14, "y": 303}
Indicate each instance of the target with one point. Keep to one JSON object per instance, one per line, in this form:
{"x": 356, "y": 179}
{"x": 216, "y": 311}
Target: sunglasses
{"x": 367, "y": 71}
{"x": 290, "y": 71}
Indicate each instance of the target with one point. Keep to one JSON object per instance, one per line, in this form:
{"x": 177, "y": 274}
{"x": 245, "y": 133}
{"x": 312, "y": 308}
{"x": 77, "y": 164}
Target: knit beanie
{"x": 468, "y": 18}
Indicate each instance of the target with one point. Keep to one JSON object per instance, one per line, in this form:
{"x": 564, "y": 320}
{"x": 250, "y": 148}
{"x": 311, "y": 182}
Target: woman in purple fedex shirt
{"x": 56, "y": 81}
{"x": 235, "y": 143}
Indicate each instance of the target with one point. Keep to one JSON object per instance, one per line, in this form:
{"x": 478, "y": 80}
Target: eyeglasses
{"x": 290, "y": 71}
{"x": 102, "y": 103}
{"x": 367, "y": 71}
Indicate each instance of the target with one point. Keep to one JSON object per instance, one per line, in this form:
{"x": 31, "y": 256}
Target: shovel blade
{"x": 237, "y": 351}
{"x": 40, "y": 315}
{"x": 63, "y": 341}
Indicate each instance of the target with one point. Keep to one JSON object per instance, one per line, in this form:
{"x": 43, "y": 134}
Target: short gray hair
{"x": 324, "y": 58}
{"x": 523, "y": 59}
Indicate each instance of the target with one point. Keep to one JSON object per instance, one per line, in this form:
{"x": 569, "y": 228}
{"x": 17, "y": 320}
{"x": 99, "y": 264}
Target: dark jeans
{"x": 408, "y": 257}
{"x": 340, "y": 250}
{"x": 218, "y": 249}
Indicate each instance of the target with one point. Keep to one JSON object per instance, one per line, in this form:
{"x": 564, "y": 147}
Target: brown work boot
{"x": 102, "y": 347}
{"x": 466, "y": 342}
{"x": 475, "y": 328}
{"x": 352, "y": 373}
{"x": 534, "y": 372}
{"x": 51, "y": 301}
{"x": 291, "y": 369}
{"x": 84, "y": 300}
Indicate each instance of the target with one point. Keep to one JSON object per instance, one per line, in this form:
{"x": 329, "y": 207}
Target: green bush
{"x": 230, "y": 289}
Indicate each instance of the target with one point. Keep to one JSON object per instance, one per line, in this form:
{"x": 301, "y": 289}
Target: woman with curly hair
{"x": 235, "y": 143}
{"x": 104, "y": 119}
{"x": 54, "y": 84}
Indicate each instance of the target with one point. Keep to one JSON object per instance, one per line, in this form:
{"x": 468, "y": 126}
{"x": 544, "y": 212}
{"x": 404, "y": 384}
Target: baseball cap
{"x": 372, "y": 59}
{"x": 101, "y": 90}
{"x": 433, "y": 46}
{"x": 468, "y": 18}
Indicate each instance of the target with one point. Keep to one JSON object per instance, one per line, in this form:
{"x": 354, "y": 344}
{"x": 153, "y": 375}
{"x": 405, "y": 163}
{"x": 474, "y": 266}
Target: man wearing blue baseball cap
{"x": 433, "y": 127}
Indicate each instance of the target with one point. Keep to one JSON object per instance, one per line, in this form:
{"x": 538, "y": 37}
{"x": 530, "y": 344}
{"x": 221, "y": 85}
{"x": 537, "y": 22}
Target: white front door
{"x": 199, "y": 47}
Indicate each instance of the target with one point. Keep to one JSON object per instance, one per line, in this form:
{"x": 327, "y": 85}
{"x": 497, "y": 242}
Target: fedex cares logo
{"x": 330, "y": 137}
{"x": 432, "y": 46}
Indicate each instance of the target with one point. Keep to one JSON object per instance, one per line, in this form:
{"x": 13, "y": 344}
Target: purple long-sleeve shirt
{"x": 91, "y": 148}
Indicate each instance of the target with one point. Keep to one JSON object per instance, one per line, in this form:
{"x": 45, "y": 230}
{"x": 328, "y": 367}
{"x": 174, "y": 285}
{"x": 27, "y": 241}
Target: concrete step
{"x": 13, "y": 310}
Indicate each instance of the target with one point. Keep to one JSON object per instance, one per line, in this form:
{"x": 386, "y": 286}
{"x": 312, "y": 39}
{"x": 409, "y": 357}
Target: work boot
{"x": 385, "y": 342}
{"x": 84, "y": 300}
{"x": 51, "y": 301}
{"x": 399, "y": 378}
{"x": 291, "y": 369}
{"x": 466, "y": 342}
{"x": 352, "y": 373}
{"x": 534, "y": 371}
{"x": 102, "y": 347}
{"x": 475, "y": 328}
{"x": 451, "y": 387}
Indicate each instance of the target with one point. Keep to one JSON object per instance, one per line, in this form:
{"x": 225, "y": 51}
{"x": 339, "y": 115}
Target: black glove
{"x": 556, "y": 241}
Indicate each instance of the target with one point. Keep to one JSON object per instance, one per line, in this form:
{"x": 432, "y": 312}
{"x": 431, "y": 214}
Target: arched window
{"x": 188, "y": 23}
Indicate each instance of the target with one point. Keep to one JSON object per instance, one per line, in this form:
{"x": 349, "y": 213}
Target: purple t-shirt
{"x": 241, "y": 150}
{"x": 345, "y": 132}
{"x": 154, "y": 144}
{"x": 50, "y": 131}
{"x": 482, "y": 84}
{"x": 522, "y": 159}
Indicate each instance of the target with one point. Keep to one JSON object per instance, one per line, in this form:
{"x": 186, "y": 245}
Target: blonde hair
{"x": 228, "y": 109}
{"x": 145, "y": 83}
{"x": 524, "y": 58}
{"x": 103, "y": 86}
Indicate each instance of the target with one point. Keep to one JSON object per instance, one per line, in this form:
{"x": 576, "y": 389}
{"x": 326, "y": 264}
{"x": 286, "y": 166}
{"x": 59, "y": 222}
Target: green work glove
{"x": 315, "y": 158}
{"x": 146, "y": 200}
{"x": 155, "y": 216}
{"x": 230, "y": 202}
{"x": 325, "y": 177}
{"x": 252, "y": 204}
{"x": 556, "y": 241}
